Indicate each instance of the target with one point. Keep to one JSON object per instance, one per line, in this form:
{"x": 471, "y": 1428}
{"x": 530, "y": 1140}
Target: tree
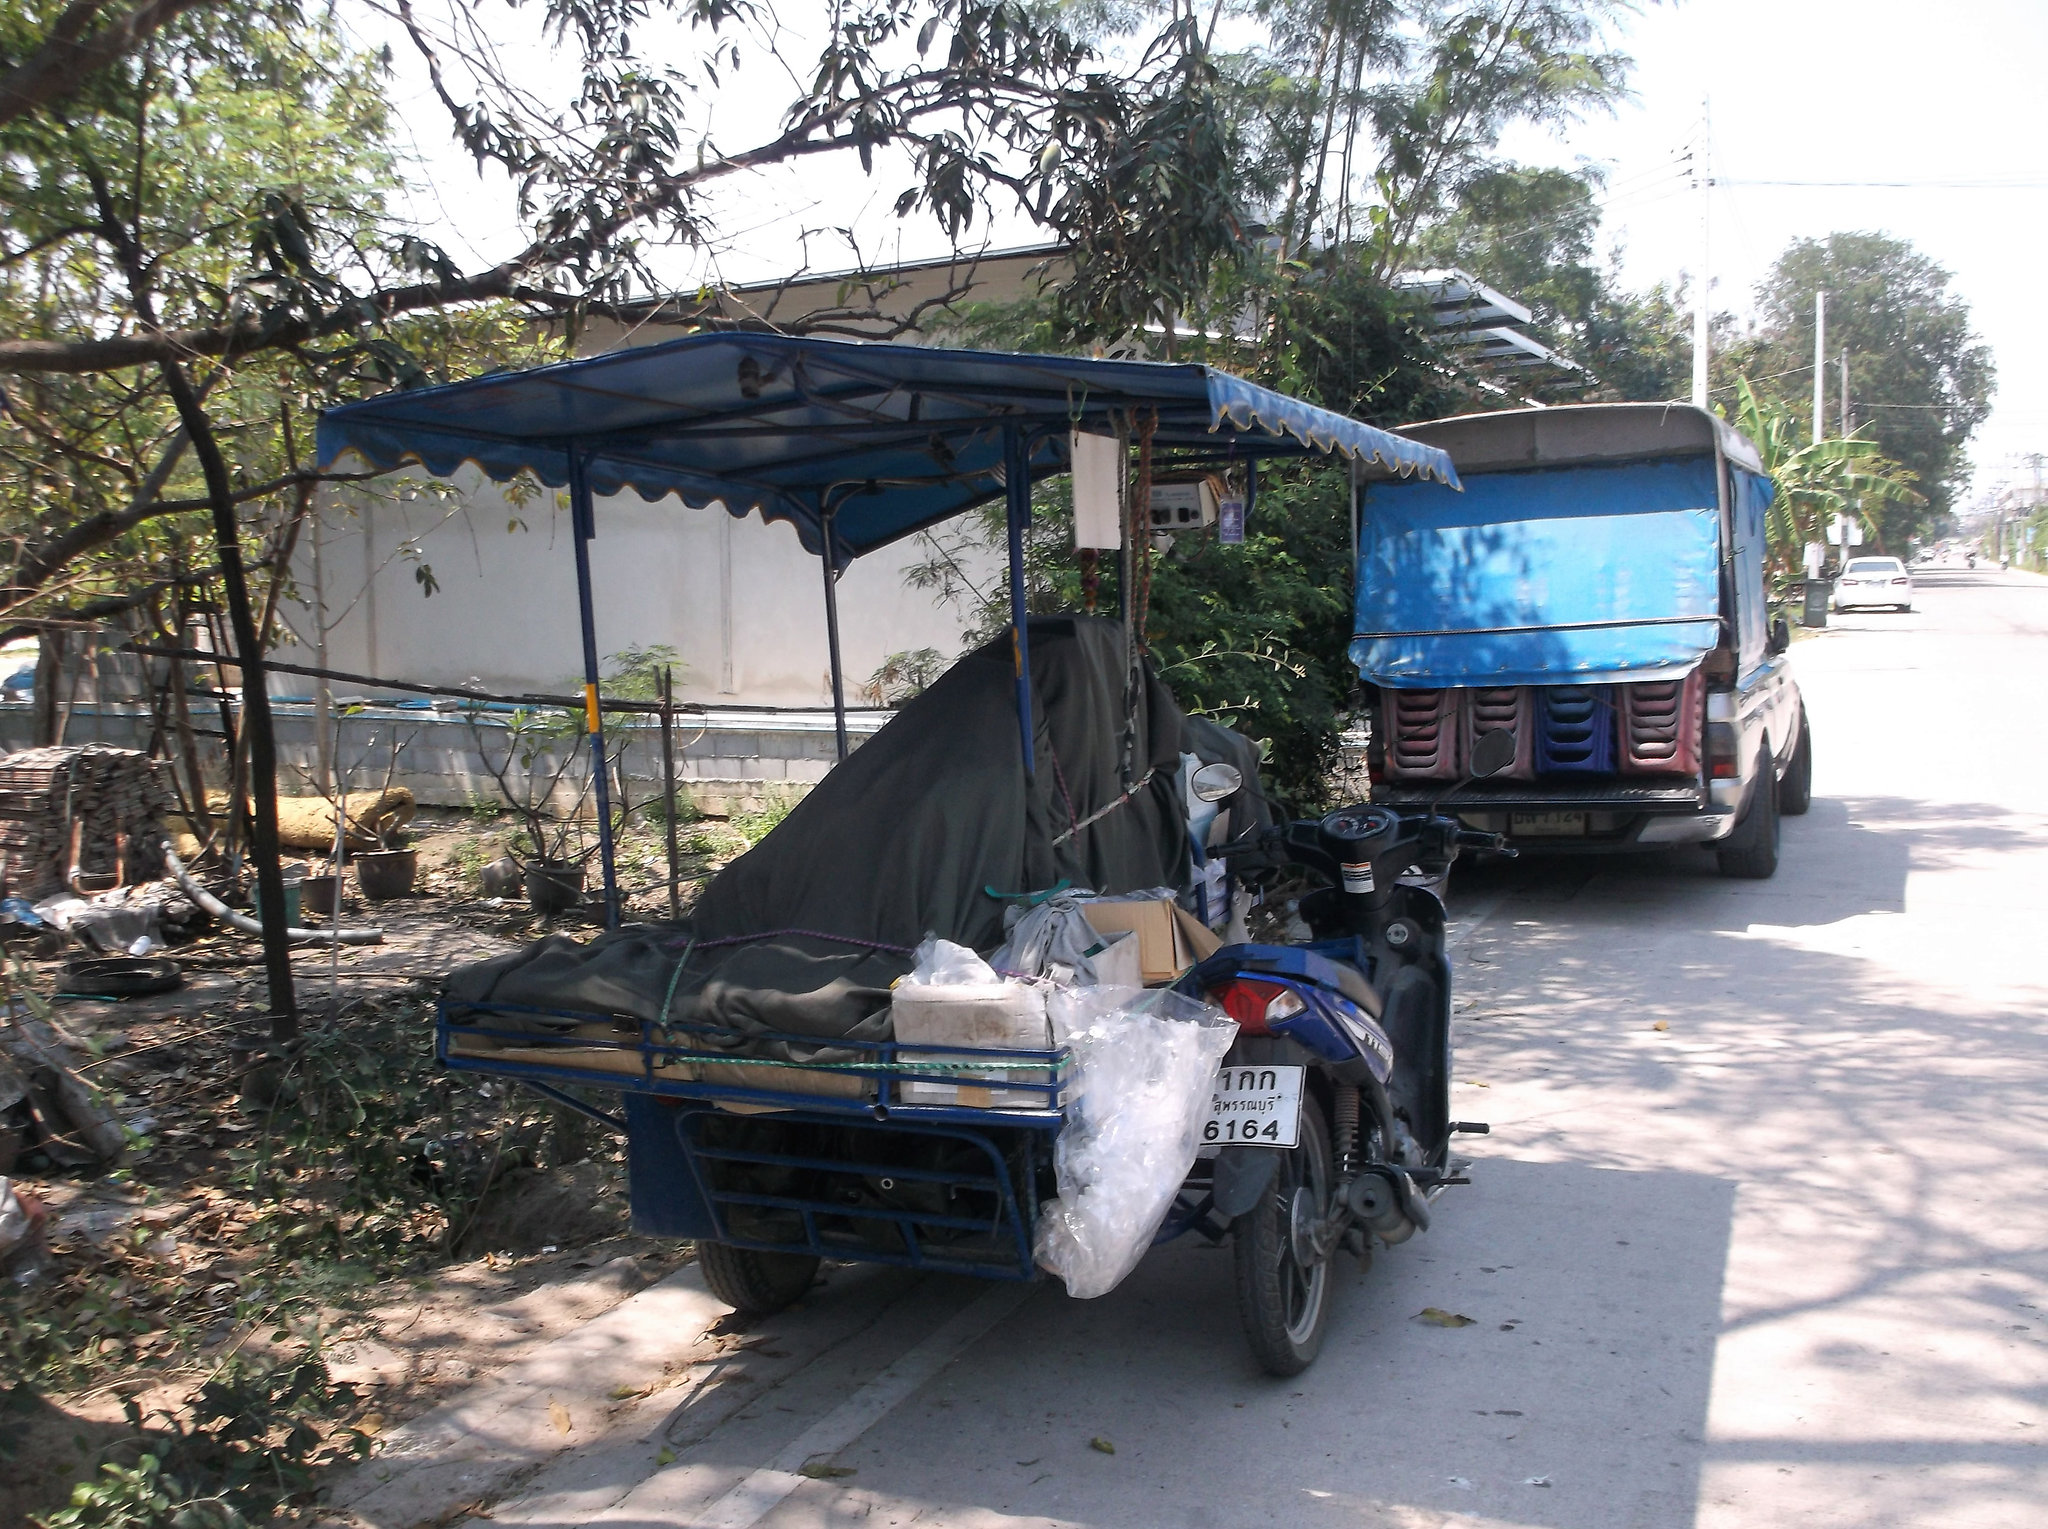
{"x": 1532, "y": 233}
{"x": 1920, "y": 380}
{"x": 167, "y": 270}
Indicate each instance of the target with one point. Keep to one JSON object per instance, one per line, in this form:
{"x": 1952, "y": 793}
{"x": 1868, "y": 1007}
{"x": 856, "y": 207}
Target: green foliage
{"x": 249, "y": 1442}
{"x": 1147, "y": 196}
{"x": 753, "y": 827}
{"x": 1477, "y": 70}
{"x": 1532, "y": 233}
{"x": 901, "y": 676}
{"x": 634, "y": 673}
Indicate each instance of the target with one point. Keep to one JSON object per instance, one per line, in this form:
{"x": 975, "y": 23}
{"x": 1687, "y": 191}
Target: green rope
{"x": 989, "y": 1068}
{"x": 675, "y": 977}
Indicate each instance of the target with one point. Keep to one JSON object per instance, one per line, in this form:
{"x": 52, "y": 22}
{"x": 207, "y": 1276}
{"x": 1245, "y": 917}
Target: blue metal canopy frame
{"x": 857, "y": 445}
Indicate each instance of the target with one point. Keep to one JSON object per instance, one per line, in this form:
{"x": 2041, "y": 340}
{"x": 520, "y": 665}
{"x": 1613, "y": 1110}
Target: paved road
{"x": 1760, "y": 1237}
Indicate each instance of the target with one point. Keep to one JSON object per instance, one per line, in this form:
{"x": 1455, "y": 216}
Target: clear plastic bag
{"x": 941, "y": 963}
{"x": 1144, "y": 1067}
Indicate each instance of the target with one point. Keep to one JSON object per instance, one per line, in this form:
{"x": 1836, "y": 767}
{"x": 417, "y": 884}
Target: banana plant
{"x": 1817, "y": 480}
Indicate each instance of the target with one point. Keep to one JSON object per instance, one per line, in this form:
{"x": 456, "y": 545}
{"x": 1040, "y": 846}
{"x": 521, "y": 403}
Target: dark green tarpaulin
{"x": 805, "y": 932}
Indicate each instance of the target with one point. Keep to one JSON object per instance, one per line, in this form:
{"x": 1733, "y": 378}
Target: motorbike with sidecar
{"x": 1332, "y": 1127}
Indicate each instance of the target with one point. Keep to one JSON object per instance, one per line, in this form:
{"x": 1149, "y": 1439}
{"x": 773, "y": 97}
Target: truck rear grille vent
{"x": 1576, "y": 728}
{"x": 1660, "y": 726}
{"x": 1503, "y": 707}
{"x": 1422, "y": 736}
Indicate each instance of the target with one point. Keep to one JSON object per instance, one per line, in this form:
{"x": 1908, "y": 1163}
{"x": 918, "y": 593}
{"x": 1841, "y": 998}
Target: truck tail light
{"x": 1721, "y": 764}
{"x": 1256, "y": 1005}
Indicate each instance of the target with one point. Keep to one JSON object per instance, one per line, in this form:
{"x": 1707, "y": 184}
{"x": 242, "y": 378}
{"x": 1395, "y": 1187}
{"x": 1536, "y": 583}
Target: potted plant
{"x": 543, "y": 744}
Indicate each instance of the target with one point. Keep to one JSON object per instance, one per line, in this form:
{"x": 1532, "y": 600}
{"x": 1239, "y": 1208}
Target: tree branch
{"x": 68, "y": 57}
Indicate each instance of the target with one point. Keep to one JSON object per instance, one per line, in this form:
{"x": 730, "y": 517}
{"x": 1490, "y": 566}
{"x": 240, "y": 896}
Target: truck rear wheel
{"x": 1795, "y": 791}
{"x": 752, "y": 1282}
{"x": 1752, "y": 850}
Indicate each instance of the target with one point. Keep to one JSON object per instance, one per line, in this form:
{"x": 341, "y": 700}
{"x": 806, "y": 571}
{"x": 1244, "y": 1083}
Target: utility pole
{"x": 1820, "y": 366}
{"x": 1845, "y": 393}
{"x": 1703, "y": 180}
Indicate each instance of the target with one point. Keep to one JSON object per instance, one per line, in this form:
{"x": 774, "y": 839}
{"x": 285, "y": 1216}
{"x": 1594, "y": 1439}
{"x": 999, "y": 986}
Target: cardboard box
{"x": 1170, "y": 939}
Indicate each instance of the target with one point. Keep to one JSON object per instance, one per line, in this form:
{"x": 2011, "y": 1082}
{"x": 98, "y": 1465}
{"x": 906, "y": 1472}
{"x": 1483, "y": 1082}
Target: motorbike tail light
{"x": 1256, "y": 1005}
{"x": 1721, "y": 751}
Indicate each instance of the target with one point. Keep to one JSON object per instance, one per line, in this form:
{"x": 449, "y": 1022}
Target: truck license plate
{"x": 1254, "y": 1106}
{"x": 1552, "y": 825}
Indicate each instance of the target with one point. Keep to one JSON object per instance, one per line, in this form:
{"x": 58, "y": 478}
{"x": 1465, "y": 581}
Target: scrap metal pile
{"x": 87, "y": 813}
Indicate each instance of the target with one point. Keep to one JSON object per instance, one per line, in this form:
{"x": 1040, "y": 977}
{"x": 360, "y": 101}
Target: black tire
{"x": 1795, "y": 791}
{"x": 754, "y": 1283}
{"x": 1284, "y": 1305}
{"x": 1752, "y": 850}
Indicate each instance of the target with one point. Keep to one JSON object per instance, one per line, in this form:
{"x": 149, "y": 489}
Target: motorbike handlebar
{"x": 1479, "y": 838}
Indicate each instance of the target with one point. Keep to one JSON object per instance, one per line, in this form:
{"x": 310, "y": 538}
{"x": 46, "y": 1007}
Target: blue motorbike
{"x": 1332, "y": 1127}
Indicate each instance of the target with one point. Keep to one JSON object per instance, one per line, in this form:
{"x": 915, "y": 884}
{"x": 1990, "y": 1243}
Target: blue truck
{"x": 1598, "y": 588}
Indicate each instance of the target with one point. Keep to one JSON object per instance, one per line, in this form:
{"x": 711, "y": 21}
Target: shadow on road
{"x": 1574, "y": 1396}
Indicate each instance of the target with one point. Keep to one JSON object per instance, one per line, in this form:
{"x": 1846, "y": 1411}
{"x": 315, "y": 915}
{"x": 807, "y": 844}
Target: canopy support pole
{"x": 1017, "y": 485}
{"x": 1354, "y": 532}
{"x": 826, "y": 560}
{"x": 584, "y": 525}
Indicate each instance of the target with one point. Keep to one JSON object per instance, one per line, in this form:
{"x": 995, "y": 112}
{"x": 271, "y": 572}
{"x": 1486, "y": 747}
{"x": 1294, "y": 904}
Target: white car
{"x": 1874, "y": 581}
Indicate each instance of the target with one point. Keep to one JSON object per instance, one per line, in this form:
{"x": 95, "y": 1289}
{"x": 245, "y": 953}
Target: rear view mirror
{"x": 1493, "y": 752}
{"x": 1213, "y": 782}
{"x": 1781, "y": 635}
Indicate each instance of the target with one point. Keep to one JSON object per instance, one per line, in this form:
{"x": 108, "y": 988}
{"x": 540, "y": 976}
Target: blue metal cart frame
{"x": 857, "y": 445}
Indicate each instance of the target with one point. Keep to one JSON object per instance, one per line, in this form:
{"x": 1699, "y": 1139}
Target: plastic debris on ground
{"x": 23, "y": 1253}
{"x": 131, "y": 920}
{"x": 1144, "y": 1065}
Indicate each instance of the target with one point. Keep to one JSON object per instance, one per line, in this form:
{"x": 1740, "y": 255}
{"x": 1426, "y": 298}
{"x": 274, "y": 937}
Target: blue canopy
{"x": 888, "y": 439}
{"x": 1559, "y": 576}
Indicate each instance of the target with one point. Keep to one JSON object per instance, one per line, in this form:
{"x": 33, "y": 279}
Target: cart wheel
{"x": 1283, "y": 1290}
{"x": 754, "y": 1283}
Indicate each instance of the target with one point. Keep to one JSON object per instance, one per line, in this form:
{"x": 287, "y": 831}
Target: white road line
{"x": 1481, "y": 912}
{"x": 757, "y": 1495}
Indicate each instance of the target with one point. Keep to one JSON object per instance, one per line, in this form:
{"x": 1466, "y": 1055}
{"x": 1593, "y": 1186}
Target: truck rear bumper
{"x": 1618, "y": 816}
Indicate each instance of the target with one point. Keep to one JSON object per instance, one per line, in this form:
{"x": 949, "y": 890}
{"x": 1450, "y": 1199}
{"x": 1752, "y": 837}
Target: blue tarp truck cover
{"x": 1572, "y": 575}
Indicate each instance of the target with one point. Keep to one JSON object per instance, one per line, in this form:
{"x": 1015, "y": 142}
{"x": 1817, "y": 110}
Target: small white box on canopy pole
{"x": 1098, "y": 466}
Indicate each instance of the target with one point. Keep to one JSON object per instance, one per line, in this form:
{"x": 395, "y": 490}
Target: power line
{"x": 1917, "y": 185}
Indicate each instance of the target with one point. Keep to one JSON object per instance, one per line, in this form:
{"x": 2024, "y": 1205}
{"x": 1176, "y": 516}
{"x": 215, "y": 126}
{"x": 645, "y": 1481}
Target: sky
{"x": 1828, "y": 90}
{"x": 1945, "y": 99}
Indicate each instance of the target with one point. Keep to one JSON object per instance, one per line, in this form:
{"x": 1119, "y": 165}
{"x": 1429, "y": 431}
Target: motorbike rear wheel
{"x": 1283, "y": 1289}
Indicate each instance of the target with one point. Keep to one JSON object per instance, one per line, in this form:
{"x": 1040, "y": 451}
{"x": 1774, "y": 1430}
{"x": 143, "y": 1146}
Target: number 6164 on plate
{"x": 1254, "y": 1106}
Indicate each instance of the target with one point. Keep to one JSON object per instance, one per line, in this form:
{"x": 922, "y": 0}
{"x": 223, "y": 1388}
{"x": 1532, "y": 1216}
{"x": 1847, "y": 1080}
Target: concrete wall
{"x": 734, "y": 762}
{"x": 740, "y": 601}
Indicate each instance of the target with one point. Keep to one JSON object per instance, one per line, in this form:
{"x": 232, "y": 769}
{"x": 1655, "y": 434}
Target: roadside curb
{"x": 473, "y": 1447}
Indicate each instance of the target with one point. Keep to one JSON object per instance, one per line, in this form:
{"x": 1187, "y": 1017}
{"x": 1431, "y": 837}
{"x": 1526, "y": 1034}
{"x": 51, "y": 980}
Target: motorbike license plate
{"x": 1551, "y": 825}
{"x": 1254, "y": 1106}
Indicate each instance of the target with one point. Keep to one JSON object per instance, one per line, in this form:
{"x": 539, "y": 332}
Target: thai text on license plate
{"x": 1254, "y": 1106}
{"x": 1547, "y": 824}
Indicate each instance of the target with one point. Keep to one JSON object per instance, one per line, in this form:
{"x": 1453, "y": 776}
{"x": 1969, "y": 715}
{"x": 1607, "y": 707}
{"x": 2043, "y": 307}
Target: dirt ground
{"x": 437, "y": 1262}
